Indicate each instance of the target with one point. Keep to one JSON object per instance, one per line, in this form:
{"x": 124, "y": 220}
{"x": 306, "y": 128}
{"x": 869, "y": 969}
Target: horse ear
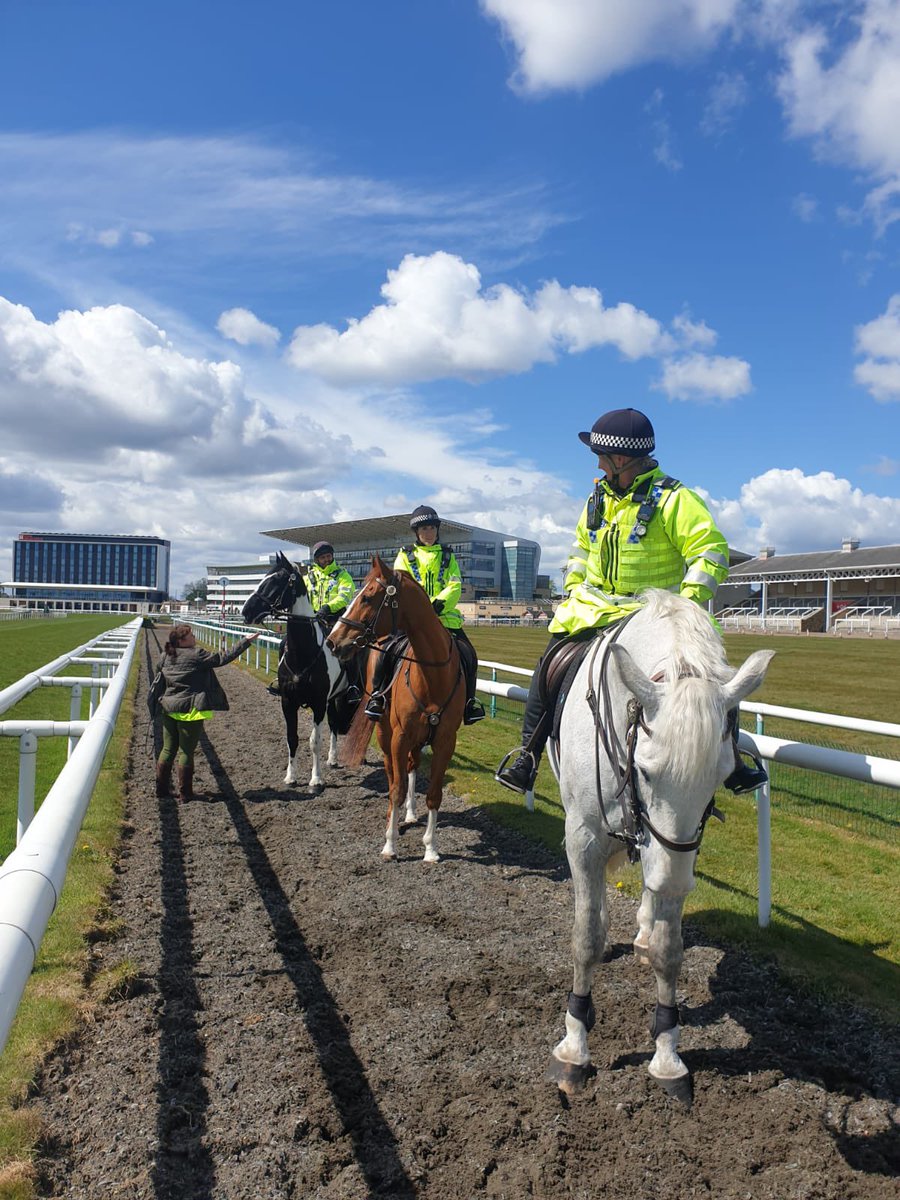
{"x": 747, "y": 677}
{"x": 634, "y": 679}
{"x": 281, "y": 559}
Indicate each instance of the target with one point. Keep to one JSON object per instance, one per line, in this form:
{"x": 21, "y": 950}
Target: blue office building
{"x": 89, "y": 572}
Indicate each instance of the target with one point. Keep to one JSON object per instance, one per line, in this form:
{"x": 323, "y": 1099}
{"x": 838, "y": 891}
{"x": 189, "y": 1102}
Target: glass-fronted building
{"x": 89, "y": 572}
{"x": 494, "y": 566}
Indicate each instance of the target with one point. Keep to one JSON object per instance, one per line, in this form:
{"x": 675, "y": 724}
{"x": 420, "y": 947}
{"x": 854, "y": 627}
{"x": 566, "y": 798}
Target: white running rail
{"x": 32, "y": 877}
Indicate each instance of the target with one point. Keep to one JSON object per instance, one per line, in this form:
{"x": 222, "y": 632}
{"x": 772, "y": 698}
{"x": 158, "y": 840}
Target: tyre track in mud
{"x": 304, "y": 1020}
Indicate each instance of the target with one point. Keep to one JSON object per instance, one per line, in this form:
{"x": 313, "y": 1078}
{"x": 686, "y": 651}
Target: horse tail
{"x": 353, "y": 750}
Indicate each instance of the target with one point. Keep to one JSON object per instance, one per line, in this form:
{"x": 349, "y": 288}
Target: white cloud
{"x": 879, "y": 340}
{"x": 805, "y": 207}
{"x": 575, "y": 43}
{"x": 664, "y": 143}
{"x": 694, "y": 333}
{"x": 823, "y": 509}
{"x": 438, "y": 322}
{"x": 245, "y": 328}
{"x": 705, "y": 377}
{"x": 845, "y": 94}
{"x": 726, "y": 98}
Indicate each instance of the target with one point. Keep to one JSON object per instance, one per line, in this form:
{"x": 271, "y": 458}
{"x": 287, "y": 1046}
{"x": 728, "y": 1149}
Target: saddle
{"x": 557, "y": 672}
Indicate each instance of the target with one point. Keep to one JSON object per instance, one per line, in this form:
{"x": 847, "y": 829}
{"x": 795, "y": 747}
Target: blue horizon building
{"x": 89, "y": 572}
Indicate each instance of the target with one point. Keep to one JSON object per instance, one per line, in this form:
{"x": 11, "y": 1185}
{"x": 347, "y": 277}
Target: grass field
{"x": 833, "y": 925}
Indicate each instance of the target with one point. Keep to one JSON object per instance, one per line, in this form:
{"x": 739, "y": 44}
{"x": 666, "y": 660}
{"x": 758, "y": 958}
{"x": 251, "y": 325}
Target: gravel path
{"x": 305, "y": 1020}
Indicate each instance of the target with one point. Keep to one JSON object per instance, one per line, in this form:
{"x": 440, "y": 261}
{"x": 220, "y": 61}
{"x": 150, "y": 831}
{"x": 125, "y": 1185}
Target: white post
{"x": 95, "y": 674}
{"x": 28, "y": 745}
{"x": 74, "y": 714}
{"x": 764, "y": 843}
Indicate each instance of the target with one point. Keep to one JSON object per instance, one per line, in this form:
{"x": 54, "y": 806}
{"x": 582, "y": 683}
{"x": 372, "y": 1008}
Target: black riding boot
{"x": 520, "y": 775}
{"x": 743, "y": 778}
{"x": 374, "y": 710}
{"x": 474, "y": 710}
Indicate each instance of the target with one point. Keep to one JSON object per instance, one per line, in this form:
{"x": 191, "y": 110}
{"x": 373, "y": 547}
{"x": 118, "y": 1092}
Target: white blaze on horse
{"x": 644, "y": 743}
{"x": 425, "y": 702}
{"x": 309, "y": 675}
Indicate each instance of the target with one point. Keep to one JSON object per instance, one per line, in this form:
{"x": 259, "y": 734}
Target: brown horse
{"x": 426, "y": 697}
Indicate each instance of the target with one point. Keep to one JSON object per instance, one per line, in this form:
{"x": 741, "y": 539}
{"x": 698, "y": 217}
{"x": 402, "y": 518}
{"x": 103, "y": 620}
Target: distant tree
{"x": 195, "y": 590}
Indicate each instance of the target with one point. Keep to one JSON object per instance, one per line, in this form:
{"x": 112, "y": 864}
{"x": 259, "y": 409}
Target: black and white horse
{"x": 309, "y": 675}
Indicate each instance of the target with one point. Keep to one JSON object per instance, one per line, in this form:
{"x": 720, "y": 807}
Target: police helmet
{"x": 322, "y": 548}
{"x": 622, "y": 431}
{"x": 424, "y": 515}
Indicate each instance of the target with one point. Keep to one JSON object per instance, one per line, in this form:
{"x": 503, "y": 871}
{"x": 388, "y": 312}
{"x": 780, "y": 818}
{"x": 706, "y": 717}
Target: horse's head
{"x": 280, "y": 593}
{"x": 371, "y": 614}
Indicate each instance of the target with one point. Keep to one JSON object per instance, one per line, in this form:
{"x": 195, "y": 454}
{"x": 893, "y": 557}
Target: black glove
{"x": 324, "y": 611}
{"x": 438, "y": 606}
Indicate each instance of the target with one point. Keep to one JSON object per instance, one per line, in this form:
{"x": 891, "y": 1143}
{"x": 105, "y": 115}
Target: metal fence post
{"x": 28, "y": 745}
{"x": 74, "y": 714}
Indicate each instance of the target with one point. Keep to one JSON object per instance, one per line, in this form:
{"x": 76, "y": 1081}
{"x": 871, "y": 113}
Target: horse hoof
{"x": 432, "y": 858}
{"x": 388, "y": 856}
{"x": 681, "y": 1088}
{"x": 642, "y": 954}
{"x": 568, "y": 1077}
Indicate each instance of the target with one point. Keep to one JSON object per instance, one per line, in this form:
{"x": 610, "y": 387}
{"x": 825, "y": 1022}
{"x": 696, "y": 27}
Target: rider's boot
{"x": 520, "y": 775}
{"x": 274, "y": 689}
{"x": 164, "y": 779}
{"x": 186, "y": 782}
{"x": 743, "y": 778}
{"x": 375, "y": 708}
{"x": 473, "y": 712}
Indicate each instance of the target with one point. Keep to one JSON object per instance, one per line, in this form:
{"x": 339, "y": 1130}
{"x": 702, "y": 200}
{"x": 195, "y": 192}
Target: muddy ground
{"x": 305, "y": 1020}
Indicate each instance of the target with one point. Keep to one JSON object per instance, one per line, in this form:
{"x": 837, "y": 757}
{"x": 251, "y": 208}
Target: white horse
{"x": 309, "y": 675}
{"x": 644, "y": 744}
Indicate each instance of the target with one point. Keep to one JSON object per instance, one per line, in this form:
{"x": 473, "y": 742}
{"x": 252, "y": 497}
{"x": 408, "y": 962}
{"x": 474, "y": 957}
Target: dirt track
{"x": 308, "y": 1021}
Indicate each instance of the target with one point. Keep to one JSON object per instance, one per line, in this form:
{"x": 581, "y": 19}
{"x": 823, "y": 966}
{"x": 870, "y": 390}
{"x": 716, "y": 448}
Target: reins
{"x": 635, "y": 817}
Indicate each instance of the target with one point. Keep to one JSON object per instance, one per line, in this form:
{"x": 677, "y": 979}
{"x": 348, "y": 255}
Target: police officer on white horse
{"x": 639, "y": 528}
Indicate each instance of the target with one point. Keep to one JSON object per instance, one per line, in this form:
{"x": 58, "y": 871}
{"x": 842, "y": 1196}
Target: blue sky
{"x": 287, "y": 263}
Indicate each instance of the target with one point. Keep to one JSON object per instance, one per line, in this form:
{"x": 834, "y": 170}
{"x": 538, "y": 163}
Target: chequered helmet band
{"x": 615, "y": 441}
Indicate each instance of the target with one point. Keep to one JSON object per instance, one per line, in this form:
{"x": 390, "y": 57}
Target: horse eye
{"x": 645, "y": 775}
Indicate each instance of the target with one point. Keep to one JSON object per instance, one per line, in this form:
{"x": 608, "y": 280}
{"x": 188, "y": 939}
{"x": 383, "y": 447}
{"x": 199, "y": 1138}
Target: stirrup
{"x": 473, "y": 712}
{"x": 353, "y": 694}
{"x": 374, "y": 710}
{"x": 508, "y": 780}
{"x": 746, "y": 778}
{"x": 274, "y": 689}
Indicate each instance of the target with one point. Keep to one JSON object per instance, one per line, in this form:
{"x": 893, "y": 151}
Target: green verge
{"x": 56, "y": 997}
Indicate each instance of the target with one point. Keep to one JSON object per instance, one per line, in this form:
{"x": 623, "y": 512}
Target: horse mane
{"x": 688, "y": 728}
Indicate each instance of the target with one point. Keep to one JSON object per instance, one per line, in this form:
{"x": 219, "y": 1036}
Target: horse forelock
{"x": 687, "y": 640}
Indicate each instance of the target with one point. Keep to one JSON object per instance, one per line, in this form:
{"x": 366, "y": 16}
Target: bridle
{"x": 636, "y": 820}
{"x": 369, "y": 636}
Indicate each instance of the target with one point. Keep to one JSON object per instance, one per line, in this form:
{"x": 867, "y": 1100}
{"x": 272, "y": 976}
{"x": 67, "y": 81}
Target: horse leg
{"x": 315, "y": 751}
{"x": 289, "y": 709}
{"x": 645, "y": 925}
{"x": 570, "y": 1064}
{"x": 666, "y": 951}
{"x": 332, "y": 748}
{"x": 441, "y": 752}
{"x": 409, "y": 817}
{"x": 396, "y": 785}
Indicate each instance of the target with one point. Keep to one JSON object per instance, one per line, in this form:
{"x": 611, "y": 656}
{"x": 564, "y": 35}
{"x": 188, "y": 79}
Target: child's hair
{"x": 178, "y": 632}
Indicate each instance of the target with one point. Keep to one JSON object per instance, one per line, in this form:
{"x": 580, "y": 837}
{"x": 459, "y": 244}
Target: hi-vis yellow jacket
{"x": 660, "y": 534}
{"x": 331, "y": 587}
{"x": 436, "y": 569}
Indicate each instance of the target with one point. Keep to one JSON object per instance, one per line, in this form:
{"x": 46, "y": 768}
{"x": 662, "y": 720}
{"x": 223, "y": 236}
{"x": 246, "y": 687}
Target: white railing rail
{"x": 32, "y": 877}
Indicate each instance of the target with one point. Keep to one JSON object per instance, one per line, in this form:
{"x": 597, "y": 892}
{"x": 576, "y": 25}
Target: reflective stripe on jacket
{"x": 446, "y": 585}
{"x": 681, "y": 549}
{"x": 331, "y": 587}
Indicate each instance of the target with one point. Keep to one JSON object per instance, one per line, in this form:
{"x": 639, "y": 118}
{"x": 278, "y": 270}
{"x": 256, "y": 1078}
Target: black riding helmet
{"x": 424, "y": 515}
{"x": 322, "y": 548}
